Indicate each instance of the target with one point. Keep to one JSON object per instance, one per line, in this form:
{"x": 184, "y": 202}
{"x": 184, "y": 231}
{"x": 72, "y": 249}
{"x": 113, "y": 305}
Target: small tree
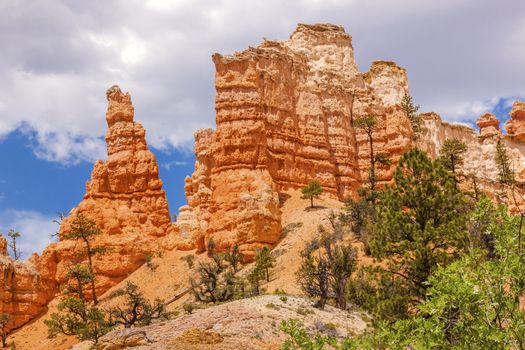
{"x": 77, "y": 319}
{"x": 421, "y": 225}
{"x": 342, "y": 264}
{"x": 14, "y": 235}
{"x": 5, "y": 319}
{"x": 506, "y": 177}
{"x": 136, "y": 310}
{"x": 410, "y": 111}
{"x": 264, "y": 261}
{"x": 313, "y": 190}
{"x": 234, "y": 257}
{"x": 502, "y": 159}
{"x": 79, "y": 275}
{"x": 314, "y": 278}
{"x": 85, "y": 229}
{"x": 368, "y": 123}
{"x": 254, "y": 278}
{"x": 451, "y": 156}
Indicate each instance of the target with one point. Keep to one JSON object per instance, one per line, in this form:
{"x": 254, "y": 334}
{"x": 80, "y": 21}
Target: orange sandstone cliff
{"x": 284, "y": 115}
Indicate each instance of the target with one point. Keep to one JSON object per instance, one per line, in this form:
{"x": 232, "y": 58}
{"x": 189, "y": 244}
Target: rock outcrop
{"x": 284, "y": 117}
{"x": 488, "y": 125}
{"x": 124, "y": 197}
{"x": 126, "y": 201}
{"x": 22, "y": 291}
{"x": 516, "y": 125}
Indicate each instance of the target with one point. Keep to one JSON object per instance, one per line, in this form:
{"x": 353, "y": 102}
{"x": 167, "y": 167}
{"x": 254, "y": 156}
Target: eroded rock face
{"x": 126, "y": 200}
{"x": 284, "y": 116}
{"x": 124, "y": 197}
{"x": 516, "y": 125}
{"x": 488, "y": 125}
{"x": 23, "y": 292}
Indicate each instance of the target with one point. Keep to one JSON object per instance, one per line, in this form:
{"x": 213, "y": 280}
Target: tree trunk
{"x": 93, "y": 291}
{"x": 372, "y": 161}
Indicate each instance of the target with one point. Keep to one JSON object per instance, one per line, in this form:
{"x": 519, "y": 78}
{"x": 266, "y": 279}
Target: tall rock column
{"x": 124, "y": 197}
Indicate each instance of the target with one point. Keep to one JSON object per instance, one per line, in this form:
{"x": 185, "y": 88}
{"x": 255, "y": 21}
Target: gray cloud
{"x": 58, "y": 57}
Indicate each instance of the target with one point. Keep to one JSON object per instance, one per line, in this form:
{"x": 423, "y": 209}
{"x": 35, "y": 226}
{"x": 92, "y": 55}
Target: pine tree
{"x": 505, "y": 173}
{"x": 234, "y": 257}
{"x": 314, "y": 279}
{"x": 421, "y": 225}
{"x": 76, "y": 318}
{"x": 79, "y": 275}
{"x": 85, "y": 229}
{"x": 410, "y": 111}
{"x": 368, "y": 123}
{"x": 451, "y": 156}
{"x": 14, "y": 235}
{"x": 313, "y": 190}
{"x": 137, "y": 309}
{"x": 264, "y": 260}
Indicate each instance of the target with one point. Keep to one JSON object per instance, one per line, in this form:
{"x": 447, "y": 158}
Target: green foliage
{"x": 254, "y": 279}
{"x": 410, "y": 111}
{"x": 78, "y": 276}
{"x": 188, "y": 308}
{"x": 473, "y": 303}
{"x": 326, "y": 266}
{"x": 217, "y": 281}
{"x": 234, "y": 257}
{"x": 313, "y": 190}
{"x": 421, "y": 224}
{"x": 451, "y": 155}
{"x": 14, "y": 235}
{"x": 148, "y": 257}
{"x": 77, "y": 319}
{"x": 136, "y": 309}
{"x": 5, "y": 320}
{"x": 299, "y": 339}
{"x": 190, "y": 260}
{"x": 505, "y": 172}
{"x": 84, "y": 229}
{"x": 264, "y": 261}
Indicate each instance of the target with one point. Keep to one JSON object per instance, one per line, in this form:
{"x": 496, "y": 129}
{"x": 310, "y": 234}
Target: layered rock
{"x": 23, "y": 292}
{"x": 124, "y": 197}
{"x": 488, "y": 125}
{"x": 284, "y": 117}
{"x": 516, "y": 125}
{"x": 479, "y": 170}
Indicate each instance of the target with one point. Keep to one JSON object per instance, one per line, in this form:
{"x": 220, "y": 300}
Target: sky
{"x": 58, "y": 57}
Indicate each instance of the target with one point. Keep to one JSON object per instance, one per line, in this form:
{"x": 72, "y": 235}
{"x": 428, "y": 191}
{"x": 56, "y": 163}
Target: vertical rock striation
{"x": 284, "y": 116}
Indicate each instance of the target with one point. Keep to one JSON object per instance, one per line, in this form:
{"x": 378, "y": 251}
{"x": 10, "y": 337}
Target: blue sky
{"x": 463, "y": 57}
{"x": 33, "y": 190}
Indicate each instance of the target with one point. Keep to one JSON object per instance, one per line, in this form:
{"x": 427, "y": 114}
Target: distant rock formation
{"x": 284, "y": 116}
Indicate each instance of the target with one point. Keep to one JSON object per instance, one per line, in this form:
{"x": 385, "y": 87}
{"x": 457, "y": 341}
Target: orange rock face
{"x": 126, "y": 200}
{"x": 23, "y": 292}
{"x": 124, "y": 197}
{"x": 284, "y": 116}
{"x": 516, "y": 125}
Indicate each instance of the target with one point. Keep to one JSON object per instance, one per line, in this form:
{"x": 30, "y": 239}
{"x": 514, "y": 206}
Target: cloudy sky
{"x": 57, "y": 58}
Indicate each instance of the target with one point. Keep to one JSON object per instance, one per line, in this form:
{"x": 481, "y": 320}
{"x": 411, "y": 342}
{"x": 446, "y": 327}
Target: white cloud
{"x": 35, "y": 229}
{"x": 169, "y": 165}
{"x": 59, "y": 57}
